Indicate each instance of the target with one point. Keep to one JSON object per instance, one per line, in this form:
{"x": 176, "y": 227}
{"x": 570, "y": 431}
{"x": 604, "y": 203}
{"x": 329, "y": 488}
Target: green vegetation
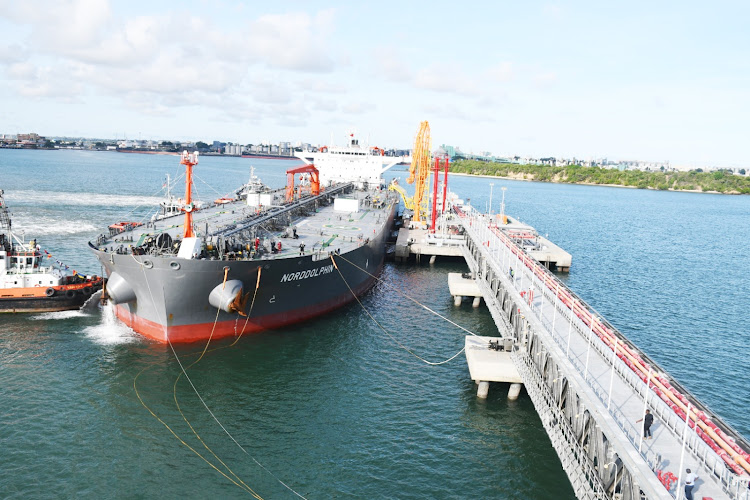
{"x": 719, "y": 181}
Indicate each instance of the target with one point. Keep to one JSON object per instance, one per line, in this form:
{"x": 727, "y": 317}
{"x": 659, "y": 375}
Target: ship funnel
{"x": 119, "y": 290}
{"x": 225, "y": 296}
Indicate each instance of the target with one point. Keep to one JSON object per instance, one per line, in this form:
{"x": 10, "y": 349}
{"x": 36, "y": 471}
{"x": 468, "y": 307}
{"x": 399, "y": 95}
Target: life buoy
{"x": 49, "y": 292}
{"x": 70, "y": 294}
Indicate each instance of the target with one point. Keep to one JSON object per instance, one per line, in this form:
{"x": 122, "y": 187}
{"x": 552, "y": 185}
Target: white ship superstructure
{"x": 362, "y": 165}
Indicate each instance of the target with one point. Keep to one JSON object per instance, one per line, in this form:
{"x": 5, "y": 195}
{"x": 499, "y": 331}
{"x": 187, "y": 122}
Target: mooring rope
{"x": 138, "y": 395}
{"x": 432, "y": 363}
{"x": 408, "y": 297}
{"x": 184, "y": 371}
{"x": 205, "y": 350}
{"x": 177, "y": 403}
{"x": 182, "y": 368}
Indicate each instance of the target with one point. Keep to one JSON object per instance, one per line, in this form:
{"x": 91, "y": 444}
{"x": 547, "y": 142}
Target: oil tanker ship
{"x": 261, "y": 260}
{"x": 27, "y": 284}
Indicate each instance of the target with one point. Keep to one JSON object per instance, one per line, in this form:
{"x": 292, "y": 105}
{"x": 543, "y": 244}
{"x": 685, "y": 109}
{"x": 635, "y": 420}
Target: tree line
{"x": 720, "y": 181}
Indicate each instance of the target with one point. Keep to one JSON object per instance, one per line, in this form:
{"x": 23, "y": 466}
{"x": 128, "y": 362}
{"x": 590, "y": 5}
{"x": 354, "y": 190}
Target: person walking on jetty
{"x": 689, "y": 484}
{"x": 648, "y": 419}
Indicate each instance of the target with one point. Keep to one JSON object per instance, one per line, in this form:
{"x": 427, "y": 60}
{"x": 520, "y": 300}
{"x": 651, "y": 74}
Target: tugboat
{"x": 27, "y": 285}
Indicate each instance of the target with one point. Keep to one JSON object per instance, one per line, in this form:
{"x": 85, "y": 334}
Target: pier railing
{"x": 502, "y": 253}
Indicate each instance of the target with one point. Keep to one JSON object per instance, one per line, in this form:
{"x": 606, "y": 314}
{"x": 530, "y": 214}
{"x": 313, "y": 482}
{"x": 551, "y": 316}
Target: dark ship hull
{"x": 171, "y": 294}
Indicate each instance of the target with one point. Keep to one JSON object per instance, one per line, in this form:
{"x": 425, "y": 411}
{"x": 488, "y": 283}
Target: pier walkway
{"x": 591, "y": 385}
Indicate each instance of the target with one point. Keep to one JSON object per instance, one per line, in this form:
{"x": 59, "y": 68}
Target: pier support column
{"x": 433, "y": 259}
{"x": 484, "y": 388}
{"x": 514, "y": 391}
{"x": 457, "y": 300}
{"x": 477, "y": 301}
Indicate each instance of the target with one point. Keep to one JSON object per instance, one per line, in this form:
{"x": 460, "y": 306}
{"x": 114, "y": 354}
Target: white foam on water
{"x": 57, "y": 198}
{"x": 58, "y": 315}
{"x": 41, "y": 225}
{"x": 110, "y": 331}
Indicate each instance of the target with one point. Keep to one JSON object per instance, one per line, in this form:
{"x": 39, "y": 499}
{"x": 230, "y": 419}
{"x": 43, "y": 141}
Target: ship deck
{"x": 326, "y": 230}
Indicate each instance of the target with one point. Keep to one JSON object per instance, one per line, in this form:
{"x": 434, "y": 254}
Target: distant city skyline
{"x": 636, "y": 81}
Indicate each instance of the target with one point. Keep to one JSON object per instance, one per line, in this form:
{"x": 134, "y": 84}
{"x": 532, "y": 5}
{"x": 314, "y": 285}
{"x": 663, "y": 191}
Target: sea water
{"x": 334, "y": 408}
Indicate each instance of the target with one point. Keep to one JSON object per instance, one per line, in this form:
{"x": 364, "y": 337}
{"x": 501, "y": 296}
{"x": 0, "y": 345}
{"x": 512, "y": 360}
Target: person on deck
{"x": 648, "y": 419}
{"x": 689, "y": 484}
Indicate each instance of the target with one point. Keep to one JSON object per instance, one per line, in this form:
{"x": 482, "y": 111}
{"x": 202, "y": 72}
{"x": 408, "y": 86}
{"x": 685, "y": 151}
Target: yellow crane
{"x": 408, "y": 200}
{"x": 419, "y": 171}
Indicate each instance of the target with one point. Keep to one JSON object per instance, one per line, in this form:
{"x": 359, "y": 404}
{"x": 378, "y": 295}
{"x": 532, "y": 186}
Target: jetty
{"x": 590, "y": 385}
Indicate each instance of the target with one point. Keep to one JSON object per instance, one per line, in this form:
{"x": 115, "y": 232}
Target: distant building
{"x": 31, "y": 140}
{"x": 233, "y": 149}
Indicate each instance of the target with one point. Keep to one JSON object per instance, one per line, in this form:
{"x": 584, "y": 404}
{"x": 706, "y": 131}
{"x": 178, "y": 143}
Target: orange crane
{"x": 419, "y": 170}
{"x": 304, "y": 169}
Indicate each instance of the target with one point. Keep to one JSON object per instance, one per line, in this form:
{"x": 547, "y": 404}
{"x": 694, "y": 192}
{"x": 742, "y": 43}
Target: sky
{"x": 649, "y": 81}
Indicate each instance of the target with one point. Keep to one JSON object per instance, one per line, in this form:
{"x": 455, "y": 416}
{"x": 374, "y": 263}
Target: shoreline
{"x": 699, "y": 191}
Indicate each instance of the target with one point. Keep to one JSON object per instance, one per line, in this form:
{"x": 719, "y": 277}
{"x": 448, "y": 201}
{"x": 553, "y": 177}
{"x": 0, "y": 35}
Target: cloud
{"x": 388, "y": 64}
{"x": 175, "y": 52}
{"x": 146, "y": 104}
{"x": 318, "y": 85}
{"x": 30, "y": 80}
{"x": 321, "y": 104}
{"x": 22, "y": 71}
{"x": 545, "y": 80}
{"x": 292, "y": 41}
{"x": 441, "y": 79}
{"x": 13, "y": 53}
{"x": 501, "y": 72}
{"x": 444, "y": 77}
{"x": 293, "y": 114}
{"x": 357, "y": 108}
